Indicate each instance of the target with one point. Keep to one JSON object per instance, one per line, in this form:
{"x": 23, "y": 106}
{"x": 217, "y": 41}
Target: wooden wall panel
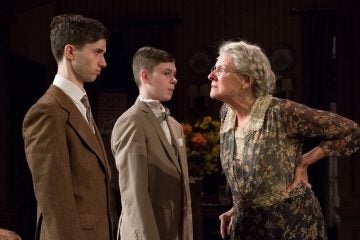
{"x": 206, "y": 23}
{"x": 262, "y": 24}
{"x": 348, "y": 96}
{"x": 277, "y": 21}
{"x": 247, "y": 16}
{"x": 348, "y": 90}
{"x": 187, "y": 27}
{"x": 5, "y": 164}
{"x": 293, "y": 39}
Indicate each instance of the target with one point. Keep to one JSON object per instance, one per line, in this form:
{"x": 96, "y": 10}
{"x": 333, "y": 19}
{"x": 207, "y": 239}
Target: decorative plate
{"x": 200, "y": 62}
{"x": 282, "y": 59}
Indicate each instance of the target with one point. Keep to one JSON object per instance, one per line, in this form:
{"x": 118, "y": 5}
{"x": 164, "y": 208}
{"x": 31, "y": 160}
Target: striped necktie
{"x": 85, "y": 101}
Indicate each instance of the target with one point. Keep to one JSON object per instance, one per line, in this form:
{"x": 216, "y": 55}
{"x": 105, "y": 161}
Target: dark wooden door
{"x": 348, "y": 98}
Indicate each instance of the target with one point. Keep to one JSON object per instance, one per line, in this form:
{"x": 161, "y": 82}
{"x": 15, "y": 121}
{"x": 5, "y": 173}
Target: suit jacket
{"x": 153, "y": 177}
{"x": 69, "y": 169}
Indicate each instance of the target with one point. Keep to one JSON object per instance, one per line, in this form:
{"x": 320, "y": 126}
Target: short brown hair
{"x": 147, "y": 58}
{"x": 76, "y": 30}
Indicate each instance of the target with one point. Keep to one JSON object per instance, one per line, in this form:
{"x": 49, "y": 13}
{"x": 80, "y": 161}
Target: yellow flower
{"x": 205, "y": 123}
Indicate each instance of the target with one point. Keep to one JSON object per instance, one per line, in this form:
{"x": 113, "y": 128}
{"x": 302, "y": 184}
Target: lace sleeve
{"x": 340, "y": 136}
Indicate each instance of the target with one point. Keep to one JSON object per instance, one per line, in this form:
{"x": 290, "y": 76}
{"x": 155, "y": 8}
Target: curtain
{"x": 320, "y": 92}
{"x": 319, "y": 57}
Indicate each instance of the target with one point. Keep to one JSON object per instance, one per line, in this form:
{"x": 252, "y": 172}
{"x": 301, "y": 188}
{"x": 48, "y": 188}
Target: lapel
{"x": 79, "y": 124}
{"x": 175, "y": 138}
{"x": 159, "y": 130}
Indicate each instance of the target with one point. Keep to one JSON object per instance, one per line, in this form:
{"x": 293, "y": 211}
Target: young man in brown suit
{"x": 151, "y": 158}
{"x": 63, "y": 146}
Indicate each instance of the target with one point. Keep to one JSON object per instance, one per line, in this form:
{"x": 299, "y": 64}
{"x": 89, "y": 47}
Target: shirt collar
{"x": 69, "y": 88}
{"x": 153, "y": 104}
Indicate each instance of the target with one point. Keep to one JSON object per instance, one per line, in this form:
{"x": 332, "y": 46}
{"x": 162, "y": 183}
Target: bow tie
{"x": 163, "y": 116}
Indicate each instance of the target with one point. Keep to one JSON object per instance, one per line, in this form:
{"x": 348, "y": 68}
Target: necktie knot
{"x": 164, "y": 115}
{"x": 85, "y": 101}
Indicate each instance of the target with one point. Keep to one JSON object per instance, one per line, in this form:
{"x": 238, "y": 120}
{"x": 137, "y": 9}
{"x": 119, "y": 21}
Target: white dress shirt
{"x": 158, "y": 109}
{"x": 73, "y": 91}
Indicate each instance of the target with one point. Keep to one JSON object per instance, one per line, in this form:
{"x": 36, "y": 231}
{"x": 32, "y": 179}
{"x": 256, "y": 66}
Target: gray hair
{"x": 250, "y": 61}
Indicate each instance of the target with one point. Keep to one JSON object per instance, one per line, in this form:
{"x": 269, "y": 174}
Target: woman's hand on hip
{"x": 300, "y": 177}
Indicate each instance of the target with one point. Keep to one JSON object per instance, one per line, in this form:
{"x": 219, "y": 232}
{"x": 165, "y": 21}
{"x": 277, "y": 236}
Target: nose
{"x": 212, "y": 76}
{"x": 102, "y": 62}
{"x": 174, "y": 80}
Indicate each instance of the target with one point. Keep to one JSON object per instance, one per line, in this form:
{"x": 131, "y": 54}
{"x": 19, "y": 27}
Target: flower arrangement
{"x": 202, "y": 146}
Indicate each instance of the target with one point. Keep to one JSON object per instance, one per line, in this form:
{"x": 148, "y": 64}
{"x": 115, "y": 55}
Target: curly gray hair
{"x": 250, "y": 61}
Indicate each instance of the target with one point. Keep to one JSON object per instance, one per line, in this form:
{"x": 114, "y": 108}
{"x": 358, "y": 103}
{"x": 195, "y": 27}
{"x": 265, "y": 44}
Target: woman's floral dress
{"x": 259, "y": 163}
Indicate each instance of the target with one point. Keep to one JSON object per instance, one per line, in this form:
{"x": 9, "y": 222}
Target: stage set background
{"x": 312, "y": 44}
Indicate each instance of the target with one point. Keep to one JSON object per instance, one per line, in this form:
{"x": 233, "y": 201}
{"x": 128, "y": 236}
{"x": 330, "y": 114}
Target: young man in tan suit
{"x": 63, "y": 146}
{"x": 151, "y": 157}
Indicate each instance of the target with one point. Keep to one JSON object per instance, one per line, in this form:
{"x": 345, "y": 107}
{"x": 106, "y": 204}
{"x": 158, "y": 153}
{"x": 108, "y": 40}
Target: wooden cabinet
{"x": 207, "y": 208}
{"x": 211, "y": 222}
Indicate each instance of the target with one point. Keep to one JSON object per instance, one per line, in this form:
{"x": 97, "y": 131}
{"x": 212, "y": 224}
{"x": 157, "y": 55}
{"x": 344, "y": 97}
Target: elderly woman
{"x": 261, "y": 140}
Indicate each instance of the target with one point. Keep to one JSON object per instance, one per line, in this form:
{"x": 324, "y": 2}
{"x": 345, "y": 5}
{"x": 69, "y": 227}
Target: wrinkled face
{"x": 226, "y": 82}
{"x": 161, "y": 82}
{"x": 88, "y": 61}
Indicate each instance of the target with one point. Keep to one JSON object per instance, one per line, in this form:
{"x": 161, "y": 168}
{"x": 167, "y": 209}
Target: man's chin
{"x": 90, "y": 80}
{"x": 165, "y": 99}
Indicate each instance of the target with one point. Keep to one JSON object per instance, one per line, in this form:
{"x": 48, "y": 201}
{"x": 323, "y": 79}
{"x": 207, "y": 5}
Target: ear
{"x": 144, "y": 76}
{"x": 69, "y": 51}
{"x": 249, "y": 81}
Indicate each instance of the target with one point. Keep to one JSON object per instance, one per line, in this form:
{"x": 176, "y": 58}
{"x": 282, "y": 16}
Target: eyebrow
{"x": 169, "y": 69}
{"x": 221, "y": 66}
{"x": 100, "y": 49}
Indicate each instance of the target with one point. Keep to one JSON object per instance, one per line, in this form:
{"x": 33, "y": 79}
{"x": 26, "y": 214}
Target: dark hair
{"x": 147, "y": 58}
{"x": 76, "y": 30}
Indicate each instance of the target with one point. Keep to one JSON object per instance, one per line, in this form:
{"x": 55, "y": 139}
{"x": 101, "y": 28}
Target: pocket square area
{"x": 181, "y": 142}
